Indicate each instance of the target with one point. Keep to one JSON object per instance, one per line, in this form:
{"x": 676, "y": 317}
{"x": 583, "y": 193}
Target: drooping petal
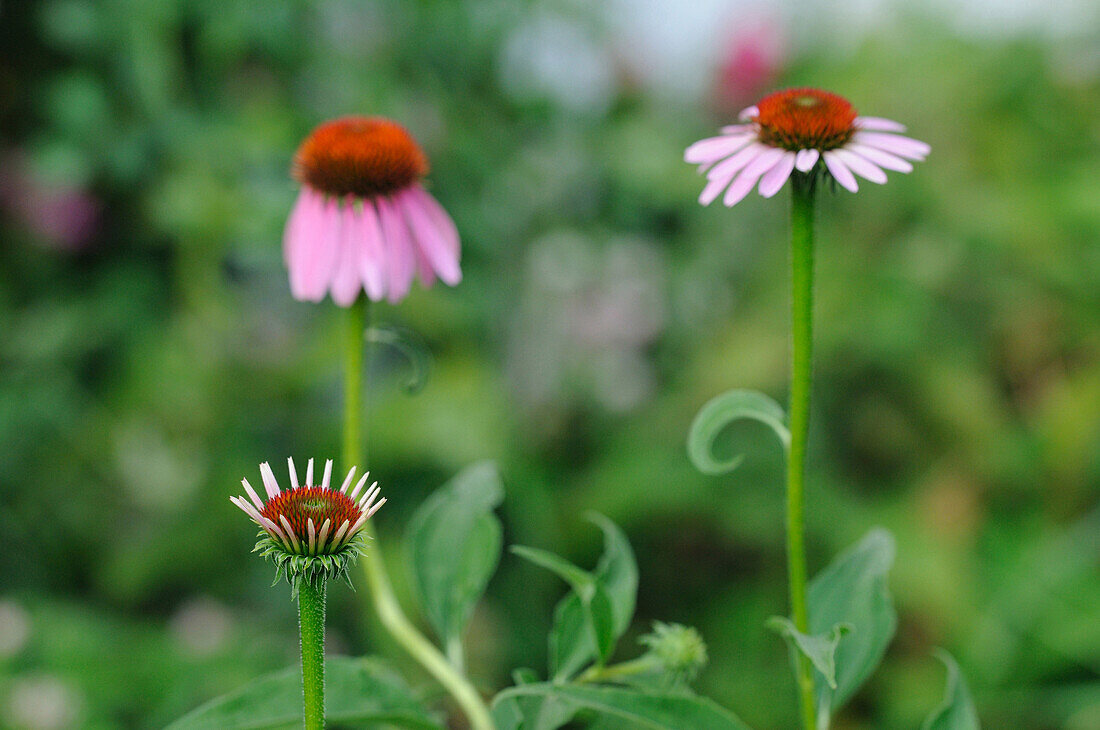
{"x": 306, "y": 223}
{"x": 399, "y": 251}
{"x": 747, "y": 178}
{"x": 878, "y": 124}
{"x": 270, "y": 484}
{"x": 428, "y": 238}
{"x": 805, "y": 160}
{"x": 347, "y": 280}
{"x": 314, "y": 263}
{"x": 442, "y": 219}
{"x": 709, "y": 150}
{"x": 737, "y": 128}
{"x": 372, "y": 254}
{"x": 775, "y": 177}
{"x": 299, "y": 214}
{"x": 839, "y": 172}
{"x": 914, "y": 149}
{"x": 728, "y": 168}
{"x": 714, "y": 188}
{"x": 861, "y": 166}
{"x": 880, "y": 158}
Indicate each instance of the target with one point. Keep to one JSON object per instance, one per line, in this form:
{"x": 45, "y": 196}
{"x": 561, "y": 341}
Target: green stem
{"x": 630, "y": 668}
{"x": 381, "y": 590}
{"x": 802, "y": 284}
{"x": 311, "y": 622}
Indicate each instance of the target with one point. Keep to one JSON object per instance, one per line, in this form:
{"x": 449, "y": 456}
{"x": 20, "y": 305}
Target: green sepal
{"x": 314, "y": 569}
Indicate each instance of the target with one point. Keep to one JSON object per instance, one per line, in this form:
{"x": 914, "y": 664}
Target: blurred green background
{"x": 151, "y": 355}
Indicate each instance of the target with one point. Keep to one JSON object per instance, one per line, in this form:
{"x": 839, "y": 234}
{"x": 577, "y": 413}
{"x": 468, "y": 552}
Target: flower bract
{"x": 363, "y": 221}
{"x": 808, "y": 131}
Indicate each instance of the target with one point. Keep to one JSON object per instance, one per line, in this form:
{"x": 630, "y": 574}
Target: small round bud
{"x": 679, "y": 650}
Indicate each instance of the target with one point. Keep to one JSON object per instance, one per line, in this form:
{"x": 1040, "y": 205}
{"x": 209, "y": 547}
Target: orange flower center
{"x": 360, "y": 156}
{"x": 797, "y": 119}
{"x": 320, "y": 504}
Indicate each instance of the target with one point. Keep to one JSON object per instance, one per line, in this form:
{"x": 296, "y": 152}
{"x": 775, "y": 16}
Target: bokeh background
{"x": 151, "y": 355}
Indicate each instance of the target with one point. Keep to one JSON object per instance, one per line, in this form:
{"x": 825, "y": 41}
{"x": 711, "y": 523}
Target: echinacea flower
{"x": 363, "y": 222}
{"x": 309, "y": 530}
{"x": 807, "y": 130}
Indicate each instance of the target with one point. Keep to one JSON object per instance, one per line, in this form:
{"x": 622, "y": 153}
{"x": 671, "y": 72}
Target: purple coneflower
{"x": 794, "y": 129}
{"x": 310, "y": 520}
{"x": 363, "y": 221}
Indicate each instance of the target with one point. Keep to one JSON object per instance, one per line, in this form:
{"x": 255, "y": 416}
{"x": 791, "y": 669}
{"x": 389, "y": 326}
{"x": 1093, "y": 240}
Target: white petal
{"x": 290, "y": 533}
{"x": 323, "y": 535}
{"x": 706, "y": 151}
{"x": 293, "y": 471}
{"x": 746, "y": 180}
{"x": 359, "y": 485}
{"x": 728, "y": 168}
{"x": 775, "y": 177}
{"x": 880, "y": 158}
{"x": 309, "y": 473}
{"x": 914, "y": 149}
{"x": 840, "y": 173}
{"x": 878, "y": 124}
{"x": 861, "y": 166}
{"x": 376, "y": 507}
{"x": 327, "y": 478}
{"x": 805, "y": 160}
{"x": 339, "y": 536}
{"x": 270, "y": 484}
{"x": 252, "y": 494}
{"x": 274, "y": 531}
{"x": 312, "y": 536}
{"x": 245, "y": 507}
{"x": 365, "y": 502}
{"x": 347, "y": 480}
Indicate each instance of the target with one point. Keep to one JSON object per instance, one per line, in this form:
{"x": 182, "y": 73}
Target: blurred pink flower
{"x": 753, "y": 57}
{"x": 63, "y": 217}
{"x": 807, "y": 130}
{"x": 363, "y": 222}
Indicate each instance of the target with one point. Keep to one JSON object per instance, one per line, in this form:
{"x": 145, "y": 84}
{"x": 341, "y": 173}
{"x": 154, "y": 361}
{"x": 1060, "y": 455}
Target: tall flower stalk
{"x": 802, "y": 316}
{"x": 385, "y": 602}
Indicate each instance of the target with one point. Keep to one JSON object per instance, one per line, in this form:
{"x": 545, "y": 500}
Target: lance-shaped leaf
{"x": 819, "y": 649}
{"x": 957, "y": 711}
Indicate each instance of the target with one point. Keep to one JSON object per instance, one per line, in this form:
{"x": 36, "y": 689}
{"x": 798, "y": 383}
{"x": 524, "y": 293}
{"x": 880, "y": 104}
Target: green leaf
{"x": 853, "y": 591}
{"x": 540, "y": 712}
{"x": 571, "y": 645}
{"x": 636, "y": 710}
{"x": 820, "y": 649}
{"x": 454, "y": 542}
{"x": 358, "y": 691}
{"x": 957, "y": 711}
{"x": 597, "y": 612}
{"x": 718, "y": 413}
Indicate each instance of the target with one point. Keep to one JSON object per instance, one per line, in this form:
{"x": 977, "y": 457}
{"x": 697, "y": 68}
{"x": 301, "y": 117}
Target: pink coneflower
{"x": 792, "y": 130}
{"x": 310, "y": 520}
{"x": 363, "y": 221}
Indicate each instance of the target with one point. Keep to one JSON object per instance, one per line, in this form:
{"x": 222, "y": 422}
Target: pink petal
{"x": 861, "y": 166}
{"x": 878, "y": 124}
{"x": 775, "y": 177}
{"x": 293, "y": 471}
{"x": 728, "y": 168}
{"x": 314, "y": 260}
{"x": 880, "y": 158}
{"x": 301, "y": 233}
{"x": 912, "y": 148}
{"x": 399, "y": 249}
{"x": 290, "y": 533}
{"x": 347, "y": 280}
{"x": 297, "y": 215}
{"x": 749, "y": 112}
{"x": 805, "y": 160}
{"x": 706, "y": 151}
{"x": 443, "y": 221}
{"x": 430, "y": 242}
{"x": 327, "y": 478}
{"x": 372, "y": 254}
{"x": 713, "y": 189}
{"x": 746, "y": 180}
{"x": 270, "y": 484}
{"x": 347, "y": 480}
{"x": 252, "y": 495}
{"x": 737, "y": 128}
{"x": 840, "y": 173}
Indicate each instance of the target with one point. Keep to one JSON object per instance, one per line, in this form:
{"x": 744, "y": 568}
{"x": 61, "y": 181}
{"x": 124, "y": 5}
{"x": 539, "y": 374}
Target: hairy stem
{"x": 381, "y": 590}
{"x": 311, "y": 622}
{"x": 802, "y": 284}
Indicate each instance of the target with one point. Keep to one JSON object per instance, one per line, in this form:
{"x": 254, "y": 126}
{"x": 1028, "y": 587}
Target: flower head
{"x": 678, "y": 650}
{"x": 363, "y": 221}
{"x": 311, "y": 531}
{"x": 808, "y": 130}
